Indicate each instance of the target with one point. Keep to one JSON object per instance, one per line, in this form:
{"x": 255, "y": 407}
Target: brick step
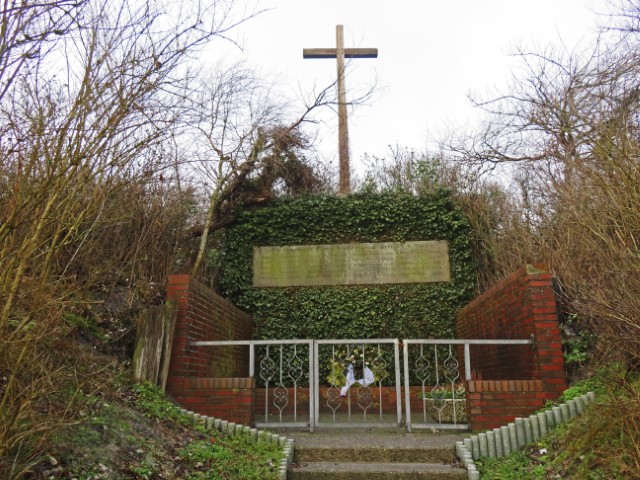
{"x": 373, "y": 471}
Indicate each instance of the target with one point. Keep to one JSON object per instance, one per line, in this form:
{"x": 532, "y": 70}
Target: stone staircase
{"x": 374, "y": 454}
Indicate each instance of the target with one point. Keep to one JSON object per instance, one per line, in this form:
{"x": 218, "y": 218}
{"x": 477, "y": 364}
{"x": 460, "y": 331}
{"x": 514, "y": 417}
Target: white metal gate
{"x": 435, "y": 384}
{"x": 358, "y": 383}
{"x": 362, "y": 383}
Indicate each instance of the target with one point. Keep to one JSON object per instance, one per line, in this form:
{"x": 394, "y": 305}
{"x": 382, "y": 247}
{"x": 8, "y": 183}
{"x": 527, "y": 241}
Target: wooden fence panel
{"x": 154, "y": 339}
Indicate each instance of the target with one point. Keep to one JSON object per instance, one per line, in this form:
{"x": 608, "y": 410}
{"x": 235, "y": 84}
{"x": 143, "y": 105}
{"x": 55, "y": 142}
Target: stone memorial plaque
{"x": 351, "y": 264}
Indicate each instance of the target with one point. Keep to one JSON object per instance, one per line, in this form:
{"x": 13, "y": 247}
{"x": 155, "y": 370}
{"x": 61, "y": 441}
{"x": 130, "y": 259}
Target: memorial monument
{"x": 351, "y": 264}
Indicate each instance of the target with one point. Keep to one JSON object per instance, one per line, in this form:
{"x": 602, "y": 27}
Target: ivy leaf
{"x": 403, "y": 310}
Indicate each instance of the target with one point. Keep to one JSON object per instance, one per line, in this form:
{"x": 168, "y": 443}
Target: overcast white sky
{"x": 431, "y": 55}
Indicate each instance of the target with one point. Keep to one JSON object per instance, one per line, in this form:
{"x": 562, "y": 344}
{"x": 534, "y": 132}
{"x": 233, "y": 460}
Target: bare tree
{"x": 90, "y": 92}
{"x": 571, "y": 122}
{"x": 244, "y": 140}
{"x": 29, "y": 32}
{"x": 116, "y": 99}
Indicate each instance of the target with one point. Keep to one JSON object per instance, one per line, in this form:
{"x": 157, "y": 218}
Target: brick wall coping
{"x": 213, "y": 382}
{"x": 527, "y": 270}
{"x": 505, "y": 386}
{"x": 183, "y": 279}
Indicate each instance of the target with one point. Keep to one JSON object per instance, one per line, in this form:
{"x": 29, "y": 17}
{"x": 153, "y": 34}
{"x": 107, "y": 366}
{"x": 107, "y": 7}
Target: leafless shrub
{"x": 91, "y": 94}
{"x": 493, "y": 211}
{"x": 571, "y": 128}
{"x": 247, "y": 145}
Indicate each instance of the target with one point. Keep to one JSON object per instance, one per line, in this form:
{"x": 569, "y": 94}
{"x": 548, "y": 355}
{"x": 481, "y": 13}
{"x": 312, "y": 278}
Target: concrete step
{"x": 373, "y": 471}
{"x": 374, "y": 454}
{"x": 374, "y": 446}
{"x": 392, "y": 454}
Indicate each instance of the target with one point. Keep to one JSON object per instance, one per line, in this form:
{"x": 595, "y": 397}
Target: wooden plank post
{"x": 340, "y": 53}
{"x": 154, "y": 340}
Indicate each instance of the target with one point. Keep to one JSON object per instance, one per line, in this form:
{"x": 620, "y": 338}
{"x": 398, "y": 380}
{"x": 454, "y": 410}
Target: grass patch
{"x": 602, "y": 444}
{"x": 517, "y": 465}
{"x": 150, "y": 400}
{"x": 597, "y": 383}
{"x": 140, "y": 434}
{"x": 230, "y": 458}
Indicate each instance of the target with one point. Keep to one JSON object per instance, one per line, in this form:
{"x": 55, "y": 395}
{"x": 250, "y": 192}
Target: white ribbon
{"x": 368, "y": 379}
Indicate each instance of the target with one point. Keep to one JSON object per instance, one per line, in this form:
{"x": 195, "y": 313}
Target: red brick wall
{"x": 494, "y": 403}
{"x": 204, "y": 315}
{"x": 517, "y": 307}
{"x": 227, "y": 398}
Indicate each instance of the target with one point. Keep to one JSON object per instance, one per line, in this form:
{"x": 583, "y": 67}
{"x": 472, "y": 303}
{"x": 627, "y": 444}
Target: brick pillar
{"x": 179, "y": 367}
{"x": 549, "y": 357}
{"x": 210, "y": 381}
{"x": 517, "y": 307}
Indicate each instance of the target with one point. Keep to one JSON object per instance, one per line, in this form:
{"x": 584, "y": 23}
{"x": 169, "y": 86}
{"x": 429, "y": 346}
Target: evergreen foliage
{"x": 363, "y": 311}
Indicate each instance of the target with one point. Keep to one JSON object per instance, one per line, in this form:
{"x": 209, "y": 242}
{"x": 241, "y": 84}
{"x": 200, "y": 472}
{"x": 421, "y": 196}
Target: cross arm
{"x": 333, "y": 52}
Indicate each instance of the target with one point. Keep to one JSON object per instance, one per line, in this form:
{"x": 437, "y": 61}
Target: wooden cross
{"x": 340, "y": 53}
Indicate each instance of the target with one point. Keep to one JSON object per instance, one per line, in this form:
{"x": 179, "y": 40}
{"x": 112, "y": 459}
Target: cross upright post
{"x": 340, "y": 53}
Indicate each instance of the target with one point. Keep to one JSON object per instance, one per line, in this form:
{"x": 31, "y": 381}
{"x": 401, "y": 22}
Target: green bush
{"x": 151, "y": 401}
{"x": 393, "y": 310}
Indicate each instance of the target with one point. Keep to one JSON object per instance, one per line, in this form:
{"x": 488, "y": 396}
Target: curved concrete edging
{"x": 255, "y": 434}
{"x": 502, "y": 441}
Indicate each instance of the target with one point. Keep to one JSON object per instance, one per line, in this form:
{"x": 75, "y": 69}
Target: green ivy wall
{"x": 376, "y": 311}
